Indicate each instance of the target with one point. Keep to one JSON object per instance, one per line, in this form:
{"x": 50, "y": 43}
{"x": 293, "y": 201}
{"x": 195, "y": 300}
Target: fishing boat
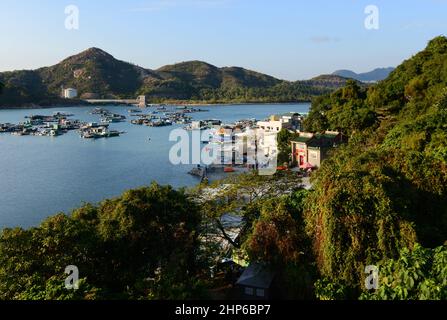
{"x": 138, "y": 122}
{"x": 61, "y": 115}
{"x": 111, "y": 118}
{"x": 99, "y": 132}
{"x": 54, "y": 133}
{"x": 7, "y": 127}
{"x": 160, "y": 122}
{"x": 99, "y": 111}
{"x": 24, "y": 132}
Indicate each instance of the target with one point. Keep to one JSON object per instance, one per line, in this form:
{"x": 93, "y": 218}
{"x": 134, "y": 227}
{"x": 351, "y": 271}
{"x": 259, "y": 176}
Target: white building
{"x": 275, "y": 124}
{"x": 291, "y": 121}
{"x": 70, "y": 93}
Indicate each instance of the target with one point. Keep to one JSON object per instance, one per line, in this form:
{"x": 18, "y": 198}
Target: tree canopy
{"x": 143, "y": 244}
{"x": 418, "y": 274}
{"x": 345, "y": 110}
{"x": 384, "y": 191}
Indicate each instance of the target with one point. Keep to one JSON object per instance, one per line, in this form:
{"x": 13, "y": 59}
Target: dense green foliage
{"x": 284, "y": 147}
{"x": 278, "y": 232}
{"x": 277, "y": 237}
{"x": 359, "y": 212}
{"x": 27, "y": 88}
{"x": 143, "y": 244}
{"x": 344, "y": 110}
{"x": 242, "y": 194}
{"x": 415, "y": 85}
{"x": 273, "y": 231}
{"x": 96, "y": 74}
{"x": 386, "y": 190}
{"x": 419, "y": 274}
{"x": 23, "y": 87}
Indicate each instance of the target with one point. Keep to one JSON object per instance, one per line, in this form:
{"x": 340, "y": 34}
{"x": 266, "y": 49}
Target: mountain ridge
{"x": 96, "y": 73}
{"x": 375, "y": 75}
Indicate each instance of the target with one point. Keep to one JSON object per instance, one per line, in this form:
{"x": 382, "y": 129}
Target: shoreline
{"x": 241, "y": 103}
{"x": 55, "y": 106}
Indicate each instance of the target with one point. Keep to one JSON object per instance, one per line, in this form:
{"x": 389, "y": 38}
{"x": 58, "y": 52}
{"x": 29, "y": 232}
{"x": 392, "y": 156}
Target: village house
{"x": 290, "y": 121}
{"x": 309, "y": 149}
{"x": 256, "y": 282}
{"x": 274, "y": 124}
{"x": 295, "y": 121}
{"x": 269, "y": 130}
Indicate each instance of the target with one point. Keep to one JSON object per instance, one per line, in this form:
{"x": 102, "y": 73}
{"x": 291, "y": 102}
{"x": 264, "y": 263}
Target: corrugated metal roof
{"x": 302, "y": 139}
{"x": 257, "y": 276}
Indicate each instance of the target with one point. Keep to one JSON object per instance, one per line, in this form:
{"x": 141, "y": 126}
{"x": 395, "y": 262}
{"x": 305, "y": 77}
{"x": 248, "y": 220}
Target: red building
{"x": 309, "y": 149}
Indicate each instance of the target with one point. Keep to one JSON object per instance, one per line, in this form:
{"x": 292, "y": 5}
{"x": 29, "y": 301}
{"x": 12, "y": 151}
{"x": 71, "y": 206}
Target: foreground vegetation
{"x": 143, "y": 244}
{"x": 379, "y": 200}
{"x": 385, "y": 191}
{"x": 157, "y": 243}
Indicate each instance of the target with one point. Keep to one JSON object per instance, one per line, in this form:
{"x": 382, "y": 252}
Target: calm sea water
{"x": 41, "y": 176}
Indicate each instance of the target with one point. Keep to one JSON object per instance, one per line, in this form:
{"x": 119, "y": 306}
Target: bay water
{"x": 42, "y": 176}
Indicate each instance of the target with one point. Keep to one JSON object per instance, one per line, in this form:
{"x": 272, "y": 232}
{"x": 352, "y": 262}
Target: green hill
{"x": 95, "y": 73}
{"x": 386, "y": 190}
{"x": 23, "y": 87}
{"x": 328, "y": 81}
{"x": 415, "y": 84}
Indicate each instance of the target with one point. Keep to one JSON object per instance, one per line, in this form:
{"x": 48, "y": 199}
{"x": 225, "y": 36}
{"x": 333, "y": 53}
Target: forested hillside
{"x": 386, "y": 190}
{"x": 97, "y": 74}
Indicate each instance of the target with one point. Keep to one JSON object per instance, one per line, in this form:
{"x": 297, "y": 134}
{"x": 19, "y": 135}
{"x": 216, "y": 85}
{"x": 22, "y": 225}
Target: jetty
{"x": 201, "y": 172}
{"x": 139, "y": 101}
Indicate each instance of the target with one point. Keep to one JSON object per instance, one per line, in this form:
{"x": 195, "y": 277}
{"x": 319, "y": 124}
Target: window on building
{"x": 249, "y": 291}
{"x": 260, "y": 292}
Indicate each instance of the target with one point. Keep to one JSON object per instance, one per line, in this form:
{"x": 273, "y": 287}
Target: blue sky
{"x": 290, "y": 39}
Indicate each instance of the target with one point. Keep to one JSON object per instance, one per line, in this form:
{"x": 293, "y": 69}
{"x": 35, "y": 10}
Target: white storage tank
{"x": 70, "y": 93}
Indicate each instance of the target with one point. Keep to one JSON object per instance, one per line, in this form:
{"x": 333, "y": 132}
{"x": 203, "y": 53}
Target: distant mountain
{"x": 197, "y": 80}
{"x": 203, "y": 74}
{"x": 96, "y": 73}
{"x": 372, "y": 76}
{"x": 329, "y": 81}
